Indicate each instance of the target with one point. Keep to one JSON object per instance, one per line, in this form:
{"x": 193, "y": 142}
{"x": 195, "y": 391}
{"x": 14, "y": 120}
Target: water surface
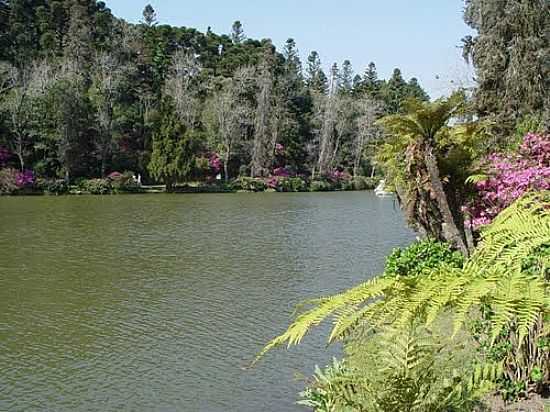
{"x": 159, "y": 302}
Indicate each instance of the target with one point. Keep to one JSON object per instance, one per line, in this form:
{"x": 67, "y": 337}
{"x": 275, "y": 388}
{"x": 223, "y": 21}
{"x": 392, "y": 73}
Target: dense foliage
{"x": 510, "y": 51}
{"x": 83, "y": 94}
{"x": 426, "y": 255}
{"x": 504, "y": 285}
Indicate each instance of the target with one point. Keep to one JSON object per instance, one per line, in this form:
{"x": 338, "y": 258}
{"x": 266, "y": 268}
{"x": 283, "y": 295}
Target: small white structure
{"x": 380, "y": 190}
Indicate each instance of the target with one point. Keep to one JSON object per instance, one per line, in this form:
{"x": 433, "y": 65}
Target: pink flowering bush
{"x": 24, "y": 179}
{"x": 508, "y": 177}
{"x": 272, "y": 182}
{"x": 338, "y": 176}
{"x": 215, "y": 163}
{"x": 281, "y": 172}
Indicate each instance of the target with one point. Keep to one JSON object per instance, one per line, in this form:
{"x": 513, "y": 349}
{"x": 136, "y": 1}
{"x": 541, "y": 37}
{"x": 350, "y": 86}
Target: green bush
{"x": 52, "y": 186}
{"x": 125, "y": 183}
{"x": 8, "y": 184}
{"x": 320, "y": 186}
{"x": 364, "y": 183}
{"x": 96, "y": 186}
{"x": 291, "y": 184}
{"x": 421, "y": 256}
{"x": 250, "y": 184}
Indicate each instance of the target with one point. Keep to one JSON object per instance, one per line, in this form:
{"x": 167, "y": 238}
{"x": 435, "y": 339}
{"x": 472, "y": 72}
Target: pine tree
{"x": 315, "y": 77}
{"x": 237, "y": 33}
{"x": 346, "y": 77}
{"x": 394, "y": 92}
{"x": 371, "y": 83}
{"x": 149, "y": 16}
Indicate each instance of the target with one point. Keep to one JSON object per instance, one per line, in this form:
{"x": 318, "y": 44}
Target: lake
{"x": 160, "y": 302}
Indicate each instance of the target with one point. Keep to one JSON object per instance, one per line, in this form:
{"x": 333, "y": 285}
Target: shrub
{"x": 364, "y": 183}
{"x": 420, "y": 257}
{"x": 124, "y": 183}
{"x": 250, "y": 184}
{"x": 96, "y": 186}
{"x": 24, "y": 179}
{"x": 52, "y": 186}
{"x": 8, "y": 181}
{"x": 320, "y": 186}
{"x": 291, "y": 184}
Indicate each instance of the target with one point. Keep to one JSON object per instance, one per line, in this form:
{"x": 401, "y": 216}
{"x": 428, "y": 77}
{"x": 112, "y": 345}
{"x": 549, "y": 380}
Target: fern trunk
{"x": 450, "y": 229}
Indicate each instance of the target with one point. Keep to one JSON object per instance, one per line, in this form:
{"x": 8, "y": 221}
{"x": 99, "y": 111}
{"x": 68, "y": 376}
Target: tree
{"x": 237, "y": 33}
{"x": 174, "y": 149}
{"x": 149, "y": 16}
{"x": 346, "y": 77}
{"x": 80, "y": 34}
{"x": 510, "y": 53}
{"x": 104, "y": 93}
{"x": 316, "y": 80}
{"x": 183, "y": 86}
{"x": 369, "y": 111}
{"x": 394, "y": 92}
{"x": 228, "y": 115}
{"x": 428, "y": 203}
{"x": 415, "y": 91}
{"x": 262, "y": 153}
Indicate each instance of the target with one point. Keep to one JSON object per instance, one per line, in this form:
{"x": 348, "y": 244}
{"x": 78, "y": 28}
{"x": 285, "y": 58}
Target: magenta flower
{"x": 215, "y": 163}
{"x": 281, "y": 172}
{"x": 24, "y": 179}
{"x": 510, "y": 176}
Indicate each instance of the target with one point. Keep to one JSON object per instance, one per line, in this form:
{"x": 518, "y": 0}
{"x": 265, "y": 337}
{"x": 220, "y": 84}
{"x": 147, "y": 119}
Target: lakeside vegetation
{"x": 460, "y": 320}
{"x": 84, "y": 94}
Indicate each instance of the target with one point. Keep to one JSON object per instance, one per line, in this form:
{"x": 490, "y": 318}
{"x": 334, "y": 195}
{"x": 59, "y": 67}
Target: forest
{"x": 84, "y": 94}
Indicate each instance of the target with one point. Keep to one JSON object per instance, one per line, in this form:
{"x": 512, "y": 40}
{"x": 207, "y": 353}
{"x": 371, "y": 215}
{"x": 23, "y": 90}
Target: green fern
{"x": 493, "y": 276}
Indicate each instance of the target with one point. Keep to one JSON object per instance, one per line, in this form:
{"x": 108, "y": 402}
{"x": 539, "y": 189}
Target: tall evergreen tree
{"x": 149, "y": 16}
{"x": 346, "y": 77}
{"x": 315, "y": 77}
{"x": 511, "y": 55}
{"x": 237, "y": 32}
{"x": 394, "y": 92}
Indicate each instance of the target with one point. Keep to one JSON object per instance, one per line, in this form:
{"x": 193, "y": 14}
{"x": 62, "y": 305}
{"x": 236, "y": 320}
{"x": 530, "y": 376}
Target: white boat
{"x": 380, "y": 190}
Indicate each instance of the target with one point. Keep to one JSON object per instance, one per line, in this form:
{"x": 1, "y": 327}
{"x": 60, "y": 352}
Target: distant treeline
{"x": 83, "y": 94}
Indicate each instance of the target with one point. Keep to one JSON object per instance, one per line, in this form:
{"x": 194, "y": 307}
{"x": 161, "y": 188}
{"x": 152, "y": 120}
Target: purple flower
{"x": 215, "y": 163}
{"x": 281, "y": 172}
{"x": 24, "y": 179}
{"x": 272, "y": 182}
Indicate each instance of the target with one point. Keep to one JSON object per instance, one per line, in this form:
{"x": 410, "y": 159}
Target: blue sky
{"x": 419, "y": 36}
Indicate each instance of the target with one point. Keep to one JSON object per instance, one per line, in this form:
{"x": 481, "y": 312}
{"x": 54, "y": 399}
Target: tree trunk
{"x": 450, "y": 229}
{"x": 169, "y": 183}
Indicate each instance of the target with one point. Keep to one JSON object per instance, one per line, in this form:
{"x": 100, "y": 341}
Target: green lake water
{"x": 160, "y": 302}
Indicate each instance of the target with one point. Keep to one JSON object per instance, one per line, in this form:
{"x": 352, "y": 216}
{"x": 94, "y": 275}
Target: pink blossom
{"x": 24, "y": 179}
{"x": 509, "y": 177}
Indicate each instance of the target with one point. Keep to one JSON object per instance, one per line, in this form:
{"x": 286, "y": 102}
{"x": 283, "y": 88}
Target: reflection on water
{"x": 158, "y": 303}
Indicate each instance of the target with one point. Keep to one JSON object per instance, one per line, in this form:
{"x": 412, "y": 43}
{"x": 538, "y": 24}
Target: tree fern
{"x": 492, "y": 276}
